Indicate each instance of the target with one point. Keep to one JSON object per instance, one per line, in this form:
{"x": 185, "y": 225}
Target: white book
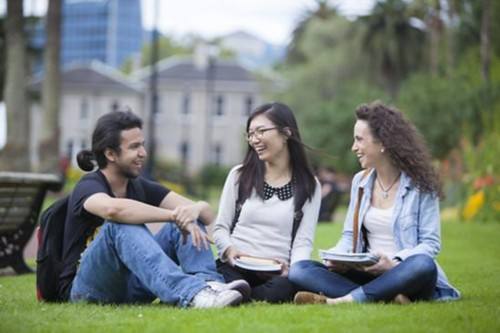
{"x": 258, "y": 264}
{"x": 357, "y": 259}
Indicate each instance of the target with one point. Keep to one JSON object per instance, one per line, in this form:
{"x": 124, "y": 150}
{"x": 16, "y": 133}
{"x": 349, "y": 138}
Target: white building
{"x": 202, "y": 110}
{"x": 203, "y": 106}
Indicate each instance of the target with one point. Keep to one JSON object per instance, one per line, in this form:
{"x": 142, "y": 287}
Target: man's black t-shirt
{"x": 81, "y": 224}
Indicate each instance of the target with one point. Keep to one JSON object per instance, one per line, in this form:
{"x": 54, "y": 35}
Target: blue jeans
{"x": 125, "y": 263}
{"x": 415, "y": 277}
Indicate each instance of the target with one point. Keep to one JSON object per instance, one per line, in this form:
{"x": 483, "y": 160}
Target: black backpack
{"x": 50, "y": 236}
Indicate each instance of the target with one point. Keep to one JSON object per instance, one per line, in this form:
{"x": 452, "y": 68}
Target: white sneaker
{"x": 241, "y": 286}
{"x": 209, "y": 298}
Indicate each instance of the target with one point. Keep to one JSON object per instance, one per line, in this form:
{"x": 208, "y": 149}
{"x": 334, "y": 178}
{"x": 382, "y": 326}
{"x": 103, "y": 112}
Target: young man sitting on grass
{"x": 110, "y": 256}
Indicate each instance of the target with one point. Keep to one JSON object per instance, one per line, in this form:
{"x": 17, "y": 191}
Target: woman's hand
{"x": 284, "y": 267}
{"x": 383, "y": 265}
{"x": 336, "y": 267}
{"x": 231, "y": 254}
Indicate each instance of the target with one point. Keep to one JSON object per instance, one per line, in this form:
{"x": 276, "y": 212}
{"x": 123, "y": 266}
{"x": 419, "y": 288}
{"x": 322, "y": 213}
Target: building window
{"x": 184, "y": 150}
{"x": 84, "y": 109}
{"x": 186, "y": 103}
{"x": 248, "y": 107}
{"x": 218, "y": 154}
{"x": 219, "y": 105}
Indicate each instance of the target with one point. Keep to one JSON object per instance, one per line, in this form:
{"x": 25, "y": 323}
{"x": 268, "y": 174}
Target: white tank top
{"x": 380, "y": 230}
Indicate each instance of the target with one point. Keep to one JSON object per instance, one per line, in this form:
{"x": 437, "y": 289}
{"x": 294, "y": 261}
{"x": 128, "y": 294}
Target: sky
{"x": 272, "y": 20}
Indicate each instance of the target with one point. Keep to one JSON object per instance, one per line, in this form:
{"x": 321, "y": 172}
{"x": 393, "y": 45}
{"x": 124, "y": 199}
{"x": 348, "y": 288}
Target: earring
{"x": 382, "y": 150}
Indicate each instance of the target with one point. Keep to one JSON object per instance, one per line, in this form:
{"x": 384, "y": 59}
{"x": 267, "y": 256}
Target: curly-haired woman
{"x": 393, "y": 213}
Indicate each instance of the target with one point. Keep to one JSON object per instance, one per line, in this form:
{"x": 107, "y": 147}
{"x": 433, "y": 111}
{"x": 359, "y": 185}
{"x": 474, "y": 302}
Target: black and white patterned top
{"x": 284, "y": 192}
{"x": 264, "y": 227}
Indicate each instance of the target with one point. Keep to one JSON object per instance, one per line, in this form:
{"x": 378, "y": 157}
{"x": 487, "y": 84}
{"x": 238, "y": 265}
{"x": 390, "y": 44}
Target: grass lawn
{"x": 470, "y": 256}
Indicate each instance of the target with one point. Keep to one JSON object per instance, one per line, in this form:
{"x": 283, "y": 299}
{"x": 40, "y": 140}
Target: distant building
{"x": 106, "y": 30}
{"x": 203, "y": 108}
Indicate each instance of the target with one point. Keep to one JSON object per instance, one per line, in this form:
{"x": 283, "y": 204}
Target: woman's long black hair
{"x": 253, "y": 169}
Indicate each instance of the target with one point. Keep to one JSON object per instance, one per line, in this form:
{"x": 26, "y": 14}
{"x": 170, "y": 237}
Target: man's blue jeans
{"x": 125, "y": 263}
{"x": 414, "y": 277}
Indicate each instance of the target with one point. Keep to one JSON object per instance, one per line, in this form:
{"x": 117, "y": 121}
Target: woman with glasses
{"x": 393, "y": 213}
{"x": 269, "y": 205}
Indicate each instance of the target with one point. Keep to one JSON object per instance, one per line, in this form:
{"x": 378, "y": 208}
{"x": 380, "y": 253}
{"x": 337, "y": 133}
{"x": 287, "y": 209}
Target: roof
{"x": 185, "y": 69}
{"x": 94, "y": 75}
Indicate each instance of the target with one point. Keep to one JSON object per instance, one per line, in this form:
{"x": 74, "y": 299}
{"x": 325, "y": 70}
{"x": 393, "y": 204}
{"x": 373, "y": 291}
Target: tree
{"x": 295, "y": 52}
{"x": 394, "y": 46}
{"x": 325, "y": 88}
{"x": 15, "y": 155}
{"x": 51, "y": 87}
{"x": 486, "y": 41}
{"x": 167, "y": 47}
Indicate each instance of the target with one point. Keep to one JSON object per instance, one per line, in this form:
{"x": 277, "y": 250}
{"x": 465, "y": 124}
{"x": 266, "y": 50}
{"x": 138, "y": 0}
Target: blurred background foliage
{"x": 438, "y": 61}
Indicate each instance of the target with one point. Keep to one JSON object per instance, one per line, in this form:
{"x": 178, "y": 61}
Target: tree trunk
{"x": 435, "y": 31}
{"x": 16, "y": 154}
{"x": 51, "y": 86}
{"x": 486, "y": 41}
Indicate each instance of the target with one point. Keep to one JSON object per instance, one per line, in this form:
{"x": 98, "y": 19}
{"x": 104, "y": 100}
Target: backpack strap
{"x": 355, "y": 225}
{"x": 237, "y": 212}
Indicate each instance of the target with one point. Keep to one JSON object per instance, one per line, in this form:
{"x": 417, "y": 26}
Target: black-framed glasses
{"x": 258, "y": 133}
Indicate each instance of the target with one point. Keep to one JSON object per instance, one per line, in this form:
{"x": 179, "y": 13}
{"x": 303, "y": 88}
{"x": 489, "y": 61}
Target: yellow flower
{"x": 473, "y": 205}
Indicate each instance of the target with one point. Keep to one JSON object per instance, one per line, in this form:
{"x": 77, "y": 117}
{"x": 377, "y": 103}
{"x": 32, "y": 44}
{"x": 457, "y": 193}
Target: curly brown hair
{"x": 403, "y": 142}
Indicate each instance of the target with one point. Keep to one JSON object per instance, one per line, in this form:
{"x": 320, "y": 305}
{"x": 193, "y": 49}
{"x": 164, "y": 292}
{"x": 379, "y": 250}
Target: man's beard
{"x": 126, "y": 172}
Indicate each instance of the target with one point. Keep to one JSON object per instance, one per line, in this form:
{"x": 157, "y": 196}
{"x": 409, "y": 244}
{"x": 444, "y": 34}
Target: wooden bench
{"x": 21, "y": 199}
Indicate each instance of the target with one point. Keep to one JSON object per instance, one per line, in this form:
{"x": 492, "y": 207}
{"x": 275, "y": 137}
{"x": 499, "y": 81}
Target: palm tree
{"x": 49, "y": 143}
{"x": 322, "y": 12}
{"x": 15, "y": 155}
{"x": 395, "y": 46}
{"x": 486, "y": 40}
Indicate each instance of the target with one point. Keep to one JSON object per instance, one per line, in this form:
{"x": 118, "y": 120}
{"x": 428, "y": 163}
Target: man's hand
{"x": 185, "y": 214}
{"x": 198, "y": 236}
{"x": 383, "y": 265}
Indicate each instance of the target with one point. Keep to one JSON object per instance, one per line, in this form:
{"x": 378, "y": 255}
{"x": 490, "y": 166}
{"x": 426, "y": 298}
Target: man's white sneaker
{"x": 241, "y": 286}
{"x": 209, "y": 298}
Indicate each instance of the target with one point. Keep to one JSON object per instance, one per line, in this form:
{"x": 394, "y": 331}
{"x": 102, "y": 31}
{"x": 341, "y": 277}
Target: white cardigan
{"x": 264, "y": 228}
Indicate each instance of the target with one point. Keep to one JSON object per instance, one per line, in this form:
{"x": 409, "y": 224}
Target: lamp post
{"x": 153, "y": 88}
{"x": 211, "y": 71}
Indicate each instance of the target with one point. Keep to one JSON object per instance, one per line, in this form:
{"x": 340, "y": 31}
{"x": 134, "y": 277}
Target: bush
{"x": 213, "y": 175}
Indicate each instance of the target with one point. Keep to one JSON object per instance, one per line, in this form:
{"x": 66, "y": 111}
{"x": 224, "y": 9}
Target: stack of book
{"x": 258, "y": 264}
{"x": 356, "y": 259}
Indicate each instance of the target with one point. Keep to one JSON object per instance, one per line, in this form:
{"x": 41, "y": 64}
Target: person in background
{"x": 330, "y": 193}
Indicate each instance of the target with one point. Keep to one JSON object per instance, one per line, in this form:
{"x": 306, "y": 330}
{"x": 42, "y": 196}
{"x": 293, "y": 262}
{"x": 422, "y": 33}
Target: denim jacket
{"x": 416, "y": 222}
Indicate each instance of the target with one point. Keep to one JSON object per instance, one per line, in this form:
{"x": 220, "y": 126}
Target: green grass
{"x": 470, "y": 256}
